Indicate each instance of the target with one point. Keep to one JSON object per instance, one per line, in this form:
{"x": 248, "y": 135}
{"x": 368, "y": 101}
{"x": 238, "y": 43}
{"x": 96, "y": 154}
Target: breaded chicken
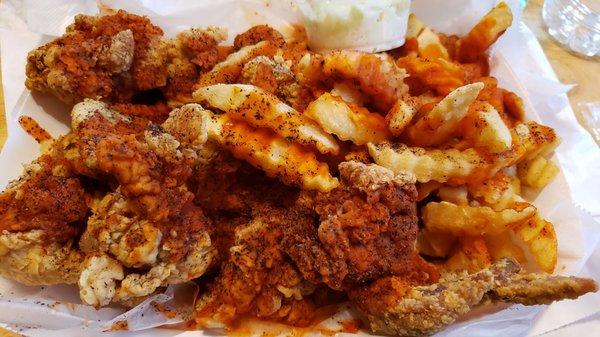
{"x": 394, "y": 306}
{"x": 120, "y": 58}
{"x": 149, "y": 226}
{"x": 257, "y": 278}
{"x": 107, "y": 207}
{"x": 366, "y": 229}
{"x": 106, "y": 57}
{"x": 41, "y": 215}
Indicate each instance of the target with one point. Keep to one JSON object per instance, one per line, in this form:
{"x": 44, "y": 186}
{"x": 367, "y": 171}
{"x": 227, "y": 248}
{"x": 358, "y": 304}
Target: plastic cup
{"x": 575, "y": 24}
{"x": 363, "y": 25}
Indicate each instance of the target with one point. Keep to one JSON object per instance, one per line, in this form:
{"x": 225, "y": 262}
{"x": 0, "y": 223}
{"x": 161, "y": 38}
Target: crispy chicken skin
{"x": 119, "y": 239}
{"x": 393, "y": 306}
{"x": 98, "y": 57}
{"x": 257, "y": 278}
{"x": 366, "y": 229}
{"x": 150, "y": 224}
{"x": 41, "y": 215}
{"x": 115, "y": 57}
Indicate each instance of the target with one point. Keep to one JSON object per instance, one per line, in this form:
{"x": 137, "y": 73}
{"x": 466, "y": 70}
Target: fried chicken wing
{"x": 394, "y": 306}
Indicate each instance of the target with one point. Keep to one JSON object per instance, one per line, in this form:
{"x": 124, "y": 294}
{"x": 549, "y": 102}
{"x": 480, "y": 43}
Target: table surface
{"x": 570, "y": 68}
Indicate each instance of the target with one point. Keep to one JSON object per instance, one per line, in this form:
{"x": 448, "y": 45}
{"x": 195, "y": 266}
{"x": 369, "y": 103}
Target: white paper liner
{"x": 517, "y": 61}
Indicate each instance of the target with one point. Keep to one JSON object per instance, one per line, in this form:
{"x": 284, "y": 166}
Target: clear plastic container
{"x": 574, "y": 23}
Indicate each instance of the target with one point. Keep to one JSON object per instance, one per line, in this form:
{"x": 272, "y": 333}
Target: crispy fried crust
{"x": 394, "y": 306}
{"x": 366, "y": 229}
{"x": 95, "y": 57}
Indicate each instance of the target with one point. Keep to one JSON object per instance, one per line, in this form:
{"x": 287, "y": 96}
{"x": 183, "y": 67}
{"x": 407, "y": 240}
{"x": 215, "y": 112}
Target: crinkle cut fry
{"x": 229, "y": 70}
{"x": 485, "y": 33}
{"x": 275, "y": 155}
{"x": 471, "y": 220}
{"x": 348, "y": 121}
{"x": 264, "y": 110}
{"x": 449, "y": 165}
{"x": 441, "y": 122}
{"x": 376, "y": 75}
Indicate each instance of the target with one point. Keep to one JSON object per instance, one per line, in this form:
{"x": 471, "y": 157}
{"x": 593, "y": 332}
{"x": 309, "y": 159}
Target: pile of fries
{"x": 465, "y": 139}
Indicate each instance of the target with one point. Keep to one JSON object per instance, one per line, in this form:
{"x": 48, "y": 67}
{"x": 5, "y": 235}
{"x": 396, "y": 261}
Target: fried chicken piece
{"x": 106, "y": 57}
{"x": 257, "y": 278}
{"x": 155, "y": 254}
{"x": 121, "y": 57}
{"x": 275, "y": 76}
{"x": 41, "y": 215}
{"x": 156, "y": 113}
{"x": 257, "y": 34}
{"x": 190, "y": 54}
{"x": 148, "y": 233}
{"x": 398, "y": 307}
{"x": 366, "y": 229}
{"x": 92, "y": 121}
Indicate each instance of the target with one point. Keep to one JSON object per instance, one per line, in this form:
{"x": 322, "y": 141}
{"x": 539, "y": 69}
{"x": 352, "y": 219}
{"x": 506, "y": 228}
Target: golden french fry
{"x": 450, "y": 165}
{"x": 400, "y": 116}
{"x": 471, "y": 220}
{"x": 262, "y": 109}
{"x": 435, "y": 244}
{"x": 229, "y": 70}
{"x": 263, "y": 149}
{"x": 535, "y": 140}
{"x": 310, "y": 69}
{"x": 377, "y": 75}
{"x": 487, "y": 130}
{"x": 455, "y": 194}
{"x": 540, "y": 238}
{"x": 502, "y": 245}
{"x": 485, "y": 33}
{"x": 441, "y": 122}
{"x": 471, "y": 254}
{"x": 347, "y": 121}
{"x": 514, "y": 105}
{"x": 498, "y": 192}
{"x": 348, "y": 93}
{"x": 439, "y": 74}
{"x": 414, "y": 28}
{"x": 430, "y": 45}
{"x": 537, "y": 172}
